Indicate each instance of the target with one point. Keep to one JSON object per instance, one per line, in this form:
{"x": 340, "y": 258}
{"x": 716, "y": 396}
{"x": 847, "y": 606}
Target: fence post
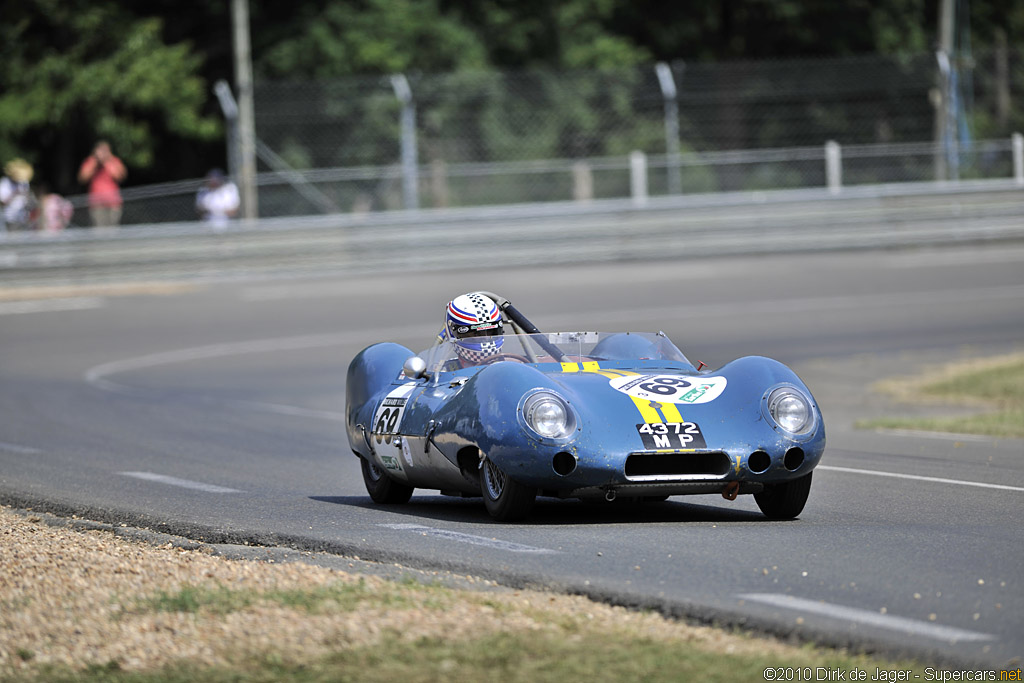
{"x": 638, "y": 177}
{"x": 410, "y": 164}
{"x": 669, "y": 94}
{"x": 439, "y": 183}
{"x": 246, "y": 115}
{"x": 833, "y": 167}
{"x": 229, "y": 106}
{"x": 582, "y": 182}
{"x": 1018, "y": 158}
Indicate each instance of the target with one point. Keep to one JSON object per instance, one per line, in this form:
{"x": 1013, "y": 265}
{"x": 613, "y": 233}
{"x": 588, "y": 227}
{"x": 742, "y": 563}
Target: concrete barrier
{"x": 676, "y": 227}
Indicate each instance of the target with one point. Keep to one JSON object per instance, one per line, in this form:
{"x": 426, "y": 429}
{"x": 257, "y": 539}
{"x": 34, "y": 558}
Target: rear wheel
{"x": 506, "y": 499}
{"x": 381, "y": 487}
{"x": 786, "y": 500}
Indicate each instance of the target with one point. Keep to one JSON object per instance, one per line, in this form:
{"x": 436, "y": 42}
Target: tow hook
{"x": 610, "y": 495}
{"x": 366, "y": 438}
{"x": 731, "y": 490}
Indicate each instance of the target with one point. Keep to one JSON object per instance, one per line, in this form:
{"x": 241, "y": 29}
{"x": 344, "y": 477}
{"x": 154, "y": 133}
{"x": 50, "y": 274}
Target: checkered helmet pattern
{"x": 473, "y": 323}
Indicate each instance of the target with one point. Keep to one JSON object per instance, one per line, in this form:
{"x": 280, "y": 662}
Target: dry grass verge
{"x": 89, "y": 605}
{"x": 993, "y": 388}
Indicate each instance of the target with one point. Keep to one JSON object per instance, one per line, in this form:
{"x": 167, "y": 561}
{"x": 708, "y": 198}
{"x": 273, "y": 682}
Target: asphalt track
{"x": 215, "y": 412}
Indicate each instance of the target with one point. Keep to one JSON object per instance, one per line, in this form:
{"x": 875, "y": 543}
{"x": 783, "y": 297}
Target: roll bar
{"x": 520, "y": 321}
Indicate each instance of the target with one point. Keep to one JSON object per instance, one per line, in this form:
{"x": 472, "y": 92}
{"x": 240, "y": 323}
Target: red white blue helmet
{"x": 473, "y": 323}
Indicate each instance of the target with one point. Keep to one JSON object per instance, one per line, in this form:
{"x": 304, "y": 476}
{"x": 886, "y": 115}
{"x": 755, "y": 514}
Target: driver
{"x": 473, "y": 323}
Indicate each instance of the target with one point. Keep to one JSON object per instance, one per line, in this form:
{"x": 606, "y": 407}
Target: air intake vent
{"x": 680, "y": 465}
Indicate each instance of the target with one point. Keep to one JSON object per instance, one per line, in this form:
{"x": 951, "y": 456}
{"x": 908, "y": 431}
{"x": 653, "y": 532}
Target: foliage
{"x": 140, "y": 73}
{"x": 565, "y": 651}
{"x": 373, "y": 36}
{"x": 78, "y": 71}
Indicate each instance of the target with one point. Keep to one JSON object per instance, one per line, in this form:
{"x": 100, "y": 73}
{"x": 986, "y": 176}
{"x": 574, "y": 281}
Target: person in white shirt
{"x": 217, "y": 201}
{"x": 16, "y": 197}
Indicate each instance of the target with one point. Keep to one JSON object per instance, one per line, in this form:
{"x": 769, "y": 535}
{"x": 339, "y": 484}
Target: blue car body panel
{"x": 645, "y": 421}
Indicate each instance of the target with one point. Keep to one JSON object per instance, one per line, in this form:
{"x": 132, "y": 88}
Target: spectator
{"x": 103, "y": 172}
{"x": 16, "y": 196}
{"x": 217, "y": 201}
{"x": 54, "y": 211}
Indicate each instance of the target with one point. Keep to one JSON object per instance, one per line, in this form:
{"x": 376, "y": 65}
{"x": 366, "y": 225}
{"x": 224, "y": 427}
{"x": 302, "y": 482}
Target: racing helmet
{"x": 473, "y": 323}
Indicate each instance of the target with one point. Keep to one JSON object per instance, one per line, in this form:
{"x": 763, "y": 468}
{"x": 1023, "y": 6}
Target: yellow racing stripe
{"x": 671, "y": 412}
{"x": 649, "y": 410}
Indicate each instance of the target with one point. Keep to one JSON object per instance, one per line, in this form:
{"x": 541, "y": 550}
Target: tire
{"x": 382, "y": 488}
{"x": 786, "y": 500}
{"x": 505, "y": 499}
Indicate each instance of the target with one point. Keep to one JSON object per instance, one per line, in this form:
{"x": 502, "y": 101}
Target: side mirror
{"x": 415, "y": 368}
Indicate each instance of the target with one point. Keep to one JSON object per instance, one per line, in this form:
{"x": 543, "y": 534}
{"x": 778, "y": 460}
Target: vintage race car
{"x": 580, "y": 415}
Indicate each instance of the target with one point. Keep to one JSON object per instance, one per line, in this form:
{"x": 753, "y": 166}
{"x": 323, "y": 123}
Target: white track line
{"x": 183, "y": 483}
{"x": 78, "y": 303}
{"x": 467, "y": 538}
{"x": 936, "y": 480}
{"x": 946, "y": 436}
{"x": 863, "y": 616}
{"x": 16, "y": 448}
{"x": 97, "y": 376}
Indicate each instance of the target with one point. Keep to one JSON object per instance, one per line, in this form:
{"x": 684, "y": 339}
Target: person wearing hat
{"x": 15, "y": 195}
{"x": 103, "y": 173}
{"x": 218, "y": 200}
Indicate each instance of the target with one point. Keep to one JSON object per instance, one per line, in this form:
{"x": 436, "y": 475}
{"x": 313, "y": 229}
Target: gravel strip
{"x": 78, "y": 593}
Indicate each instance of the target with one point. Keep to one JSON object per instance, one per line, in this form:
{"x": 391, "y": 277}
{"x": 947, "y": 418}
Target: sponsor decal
{"x": 671, "y": 388}
{"x": 670, "y": 435}
{"x": 391, "y": 463}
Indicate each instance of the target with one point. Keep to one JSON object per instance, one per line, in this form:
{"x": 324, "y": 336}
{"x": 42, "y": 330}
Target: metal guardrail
{"x": 290, "y": 192}
{"x": 655, "y": 228}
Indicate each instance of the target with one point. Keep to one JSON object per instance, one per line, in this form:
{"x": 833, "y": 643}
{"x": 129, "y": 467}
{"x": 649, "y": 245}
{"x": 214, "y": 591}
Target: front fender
{"x": 372, "y": 370}
{"x": 486, "y": 411}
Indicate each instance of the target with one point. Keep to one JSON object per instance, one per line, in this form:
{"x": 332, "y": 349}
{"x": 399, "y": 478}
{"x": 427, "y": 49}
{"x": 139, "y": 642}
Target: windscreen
{"x": 566, "y": 347}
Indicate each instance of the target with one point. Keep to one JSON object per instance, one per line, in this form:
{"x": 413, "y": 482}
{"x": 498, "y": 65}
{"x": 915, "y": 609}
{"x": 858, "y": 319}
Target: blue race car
{"x": 580, "y": 415}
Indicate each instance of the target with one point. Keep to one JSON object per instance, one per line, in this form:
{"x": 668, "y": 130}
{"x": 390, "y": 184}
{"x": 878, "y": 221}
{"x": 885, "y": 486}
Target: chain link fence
{"x": 540, "y": 136}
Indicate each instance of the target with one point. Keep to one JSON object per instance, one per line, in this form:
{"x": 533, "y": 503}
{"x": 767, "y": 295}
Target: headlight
{"x": 548, "y": 415}
{"x": 790, "y": 410}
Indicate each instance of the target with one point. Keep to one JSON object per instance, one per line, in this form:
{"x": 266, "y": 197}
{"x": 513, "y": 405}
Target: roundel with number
{"x": 671, "y": 388}
{"x": 388, "y": 418}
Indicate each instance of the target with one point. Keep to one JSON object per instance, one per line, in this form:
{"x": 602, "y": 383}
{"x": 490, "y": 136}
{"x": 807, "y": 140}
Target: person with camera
{"x": 103, "y": 173}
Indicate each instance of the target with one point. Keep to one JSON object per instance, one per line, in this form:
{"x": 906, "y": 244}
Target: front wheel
{"x": 381, "y": 487}
{"x": 505, "y": 499}
{"x": 786, "y": 500}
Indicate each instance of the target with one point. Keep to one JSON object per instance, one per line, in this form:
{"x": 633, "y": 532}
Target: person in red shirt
{"x": 103, "y": 172}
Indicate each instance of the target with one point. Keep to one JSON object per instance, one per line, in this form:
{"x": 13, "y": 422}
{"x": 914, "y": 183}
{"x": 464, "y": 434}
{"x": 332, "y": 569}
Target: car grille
{"x": 677, "y": 465}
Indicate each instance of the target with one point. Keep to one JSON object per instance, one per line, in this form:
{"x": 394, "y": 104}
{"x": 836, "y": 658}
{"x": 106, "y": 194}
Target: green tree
{"x": 78, "y": 71}
{"x": 366, "y": 37}
{"x": 554, "y": 34}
